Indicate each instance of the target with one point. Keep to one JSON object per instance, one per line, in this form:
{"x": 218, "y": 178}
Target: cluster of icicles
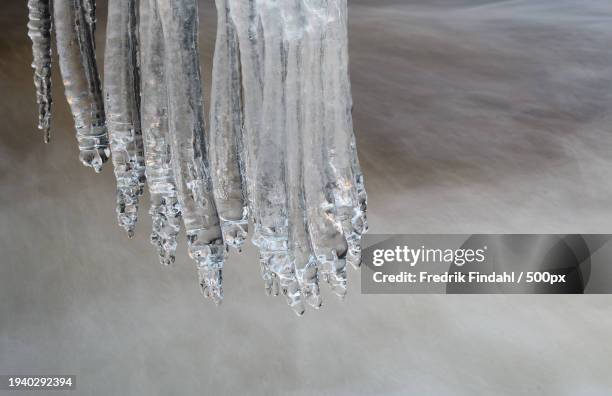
{"x": 280, "y": 150}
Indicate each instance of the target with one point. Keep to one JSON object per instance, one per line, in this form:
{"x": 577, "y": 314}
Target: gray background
{"x": 472, "y": 116}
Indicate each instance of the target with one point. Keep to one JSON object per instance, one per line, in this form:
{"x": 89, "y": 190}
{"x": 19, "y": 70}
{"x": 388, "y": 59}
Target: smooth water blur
{"x": 471, "y": 116}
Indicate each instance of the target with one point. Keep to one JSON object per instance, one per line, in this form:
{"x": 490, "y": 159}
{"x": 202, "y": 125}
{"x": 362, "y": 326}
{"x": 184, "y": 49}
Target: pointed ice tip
{"x": 299, "y": 311}
{"x": 166, "y": 258}
{"x": 94, "y": 158}
{"x": 268, "y": 287}
{"x": 46, "y": 136}
{"x": 340, "y": 291}
{"x": 296, "y": 304}
{"x": 213, "y": 293}
{"x": 315, "y": 301}
{"x": 275, "y": 288}
{"x": 272, "y": 285}
{"x": 130, "y": 233}
{"x": 166, "y": 262}
{"x": 211, "y": 284}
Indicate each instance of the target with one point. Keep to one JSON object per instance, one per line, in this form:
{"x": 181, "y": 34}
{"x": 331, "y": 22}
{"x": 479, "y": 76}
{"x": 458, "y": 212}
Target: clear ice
{"x": 280, "y": 152}
{"x": 75, "y": 48}
{"x": 179, "y": 20}
{"x": 226, "y": 137}
{"x": 297, "y": 149}
{"x": 165, "y": 210}
{"x": 39, "y": 31}
{"x": 122, "y": 94}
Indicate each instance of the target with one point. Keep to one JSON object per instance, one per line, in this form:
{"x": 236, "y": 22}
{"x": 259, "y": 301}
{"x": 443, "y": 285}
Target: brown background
{"x": 472, "y": 116}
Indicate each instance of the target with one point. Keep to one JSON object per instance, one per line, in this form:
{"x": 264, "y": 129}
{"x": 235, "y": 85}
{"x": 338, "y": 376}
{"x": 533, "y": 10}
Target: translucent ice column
{"x": 226, "y": 132}
{"x": 338, "y": 16}
{"x": 188, "y": 149}
{"x": 290, "y": 104}
{"x": 122, "y": 93}
{"x": 293, "y": 82}
{"x": 165, "y": 210}
{"x": 278, "y": 165}
{"x": 326, "y": 235}
{"x": 280, "y": 152}
{"x": 39, "y": 30}
{"x": 75, "y": 47}
{"x": 246, "y": 21}
{"x": 265, "y": 141}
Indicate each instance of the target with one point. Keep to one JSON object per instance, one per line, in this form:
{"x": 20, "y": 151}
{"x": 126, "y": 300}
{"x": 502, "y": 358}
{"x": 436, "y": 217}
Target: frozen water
{"x": 304, "y": 186}
{"x": 280, "y": 151}
{"x": 39, "y": 30}
{"x": 165, "y": 209}
{"x": 226, "y": 137}
{"x": 81, "y": 82}
{"x": 179, "y": 19}
{"x": 122, "y": 93}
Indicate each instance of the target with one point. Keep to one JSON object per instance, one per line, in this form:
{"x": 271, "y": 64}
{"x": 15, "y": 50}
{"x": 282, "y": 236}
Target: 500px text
{"x": 469, "y": 277}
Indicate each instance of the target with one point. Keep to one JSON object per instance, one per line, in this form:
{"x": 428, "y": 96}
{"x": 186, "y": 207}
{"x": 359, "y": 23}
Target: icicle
{"x": 338, "y": 154}
{"x": 122, "y": 92}
{"x": 272, "y": 226}
{"x": 246, "y": 19}
{"x": 283, "y": 148}
{"x": 325, "y": 233}
{"x": 294, "y": 84}
{"x": 39, "y": 31}
{"x": 227, "y": 160}
{"x": 80, "y": 76}
{"x": 165, "y": 209}
{"x": 359, "y": 220}
{"x": 189, "y": 153}
{"x": 298, "y": 133}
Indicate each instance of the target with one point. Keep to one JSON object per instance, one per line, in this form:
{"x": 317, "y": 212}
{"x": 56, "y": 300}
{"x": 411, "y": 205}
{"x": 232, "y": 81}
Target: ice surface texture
{"x": 122, "y": 94}
{"x": 226, "y": 137}
{"x": 281, "y": 97}
{"x": 280, "y": 152}
{"x": 165, "y": 209}
{"x": 179, "y": 19}
{"x": 74, "y": 30}
{"x": 39, "y": 30}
